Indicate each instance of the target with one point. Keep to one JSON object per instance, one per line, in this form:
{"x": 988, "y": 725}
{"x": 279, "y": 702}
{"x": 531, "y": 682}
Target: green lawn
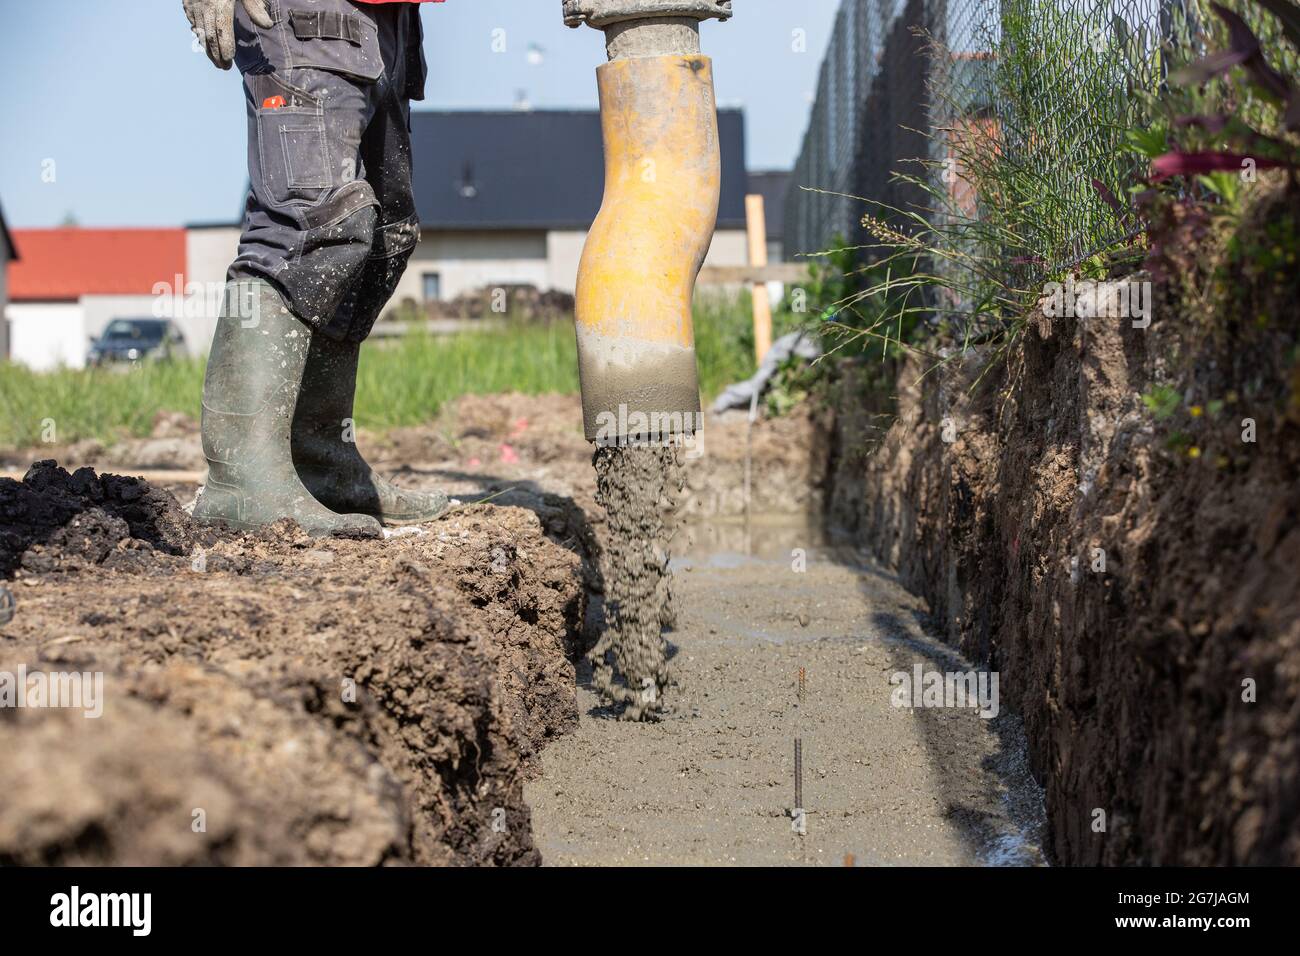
{"x": 401, "y": 382}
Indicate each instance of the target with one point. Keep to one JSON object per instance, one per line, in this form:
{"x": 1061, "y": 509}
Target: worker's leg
{"x": 386, "y": 160}
{"x": 254, "y": 375}
{"x": 324, "y": 446}
{"x": 311, "y": 83}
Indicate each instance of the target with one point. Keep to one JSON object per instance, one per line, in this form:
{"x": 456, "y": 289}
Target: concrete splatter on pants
{"x": 331, "y": 218}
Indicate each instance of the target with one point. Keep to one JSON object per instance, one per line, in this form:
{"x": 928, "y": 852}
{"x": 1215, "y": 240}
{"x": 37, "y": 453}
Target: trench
{"x": 713, "y": 780}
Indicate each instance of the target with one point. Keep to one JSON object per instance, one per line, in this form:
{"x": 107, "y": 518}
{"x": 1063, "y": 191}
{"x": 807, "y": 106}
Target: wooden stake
{"x": 756, "y": 225}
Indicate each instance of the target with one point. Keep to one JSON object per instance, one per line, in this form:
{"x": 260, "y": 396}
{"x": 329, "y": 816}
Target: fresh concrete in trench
{"x": 713, "y": 783}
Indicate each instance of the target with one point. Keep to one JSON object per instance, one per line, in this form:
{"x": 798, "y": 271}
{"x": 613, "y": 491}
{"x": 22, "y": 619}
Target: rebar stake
{"x": 799, "y": 820}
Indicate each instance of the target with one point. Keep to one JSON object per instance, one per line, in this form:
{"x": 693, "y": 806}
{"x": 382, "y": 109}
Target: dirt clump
{"x": 271, "y": 698}
{"x": 52, "y": 518}
{"x": 487, "y": 443}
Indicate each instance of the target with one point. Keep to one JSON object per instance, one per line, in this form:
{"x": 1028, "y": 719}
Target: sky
{"x": 110, "y": 117}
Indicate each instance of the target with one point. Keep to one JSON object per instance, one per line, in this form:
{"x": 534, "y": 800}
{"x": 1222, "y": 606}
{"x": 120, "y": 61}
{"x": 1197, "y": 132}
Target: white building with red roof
{"x": 67, "y": 284}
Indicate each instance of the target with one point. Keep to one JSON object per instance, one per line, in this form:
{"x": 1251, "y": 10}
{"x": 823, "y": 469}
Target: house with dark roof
{"x": 504, "y": 197}
{"x": 507, "y": 197}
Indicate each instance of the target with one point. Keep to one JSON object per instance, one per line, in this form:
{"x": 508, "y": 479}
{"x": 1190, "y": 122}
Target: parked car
{"x": 132, "y": 340}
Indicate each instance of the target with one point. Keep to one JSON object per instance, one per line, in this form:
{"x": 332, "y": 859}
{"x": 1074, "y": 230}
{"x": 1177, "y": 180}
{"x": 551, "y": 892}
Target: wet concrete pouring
{"x": 637, "y": 488}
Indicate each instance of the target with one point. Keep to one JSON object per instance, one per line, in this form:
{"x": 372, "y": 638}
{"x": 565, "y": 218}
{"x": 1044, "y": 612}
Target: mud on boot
{"x": 250, "y": 391}
{"x": 324, "y": 444}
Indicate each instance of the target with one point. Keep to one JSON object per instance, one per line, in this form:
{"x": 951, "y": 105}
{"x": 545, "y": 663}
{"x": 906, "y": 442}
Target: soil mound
{"x": 270, "y": 698}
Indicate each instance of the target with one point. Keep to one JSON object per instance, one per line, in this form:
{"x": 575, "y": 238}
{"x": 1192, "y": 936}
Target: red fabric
{"x": 65, "y": 264}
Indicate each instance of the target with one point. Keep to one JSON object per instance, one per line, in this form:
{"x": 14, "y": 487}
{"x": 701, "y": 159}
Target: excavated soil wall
{"x": 1128, "y": 566}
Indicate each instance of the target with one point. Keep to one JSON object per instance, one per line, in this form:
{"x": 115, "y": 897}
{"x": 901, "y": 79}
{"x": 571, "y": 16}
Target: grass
{"x": 724, "y": 339}
{"x": 408, "y": 380}
{"x": 400, "y": 382}
{"x": 105, "y": 403}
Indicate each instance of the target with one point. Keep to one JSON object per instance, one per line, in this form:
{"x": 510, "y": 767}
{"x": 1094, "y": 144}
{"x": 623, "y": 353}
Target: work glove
{"x": 213, "y": 22}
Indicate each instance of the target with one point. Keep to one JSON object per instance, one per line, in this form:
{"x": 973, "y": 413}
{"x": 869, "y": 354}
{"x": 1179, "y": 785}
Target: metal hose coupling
{"x": 602, "y": 13}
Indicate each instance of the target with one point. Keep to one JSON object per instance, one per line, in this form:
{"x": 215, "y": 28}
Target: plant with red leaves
{"x": 1240, "y": 147}
{"x": 1226, "y": 117}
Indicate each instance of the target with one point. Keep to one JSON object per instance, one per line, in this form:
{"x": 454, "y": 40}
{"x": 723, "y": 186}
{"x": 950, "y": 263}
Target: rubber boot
{"x": 325, "y": 450}
{"x": 251, "y": 388}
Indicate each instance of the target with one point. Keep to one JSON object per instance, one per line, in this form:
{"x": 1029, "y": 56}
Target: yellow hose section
{"x": 662, "y": 183}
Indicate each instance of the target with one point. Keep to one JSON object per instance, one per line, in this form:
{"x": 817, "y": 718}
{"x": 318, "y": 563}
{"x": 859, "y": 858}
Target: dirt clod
{"x": 52, "y": 517}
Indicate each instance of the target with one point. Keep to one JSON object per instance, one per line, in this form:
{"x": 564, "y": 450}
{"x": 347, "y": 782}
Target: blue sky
{"x": 110, "y": 116}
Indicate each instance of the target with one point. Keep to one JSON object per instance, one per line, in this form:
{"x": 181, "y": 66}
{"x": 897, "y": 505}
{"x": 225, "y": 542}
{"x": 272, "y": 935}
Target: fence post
{"x": 756, "y": 226}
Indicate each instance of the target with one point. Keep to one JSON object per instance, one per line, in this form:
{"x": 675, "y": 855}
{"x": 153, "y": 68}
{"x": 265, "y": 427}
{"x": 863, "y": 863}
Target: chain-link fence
{"x": 871, "y": 96}
{"x": 1048, "y": 89}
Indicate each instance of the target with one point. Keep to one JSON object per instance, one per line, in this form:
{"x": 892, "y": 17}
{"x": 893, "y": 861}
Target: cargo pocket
{"x": 305, "y": 155}
{"x": 332, "y": 40}
{"x": 293, "y": 155}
